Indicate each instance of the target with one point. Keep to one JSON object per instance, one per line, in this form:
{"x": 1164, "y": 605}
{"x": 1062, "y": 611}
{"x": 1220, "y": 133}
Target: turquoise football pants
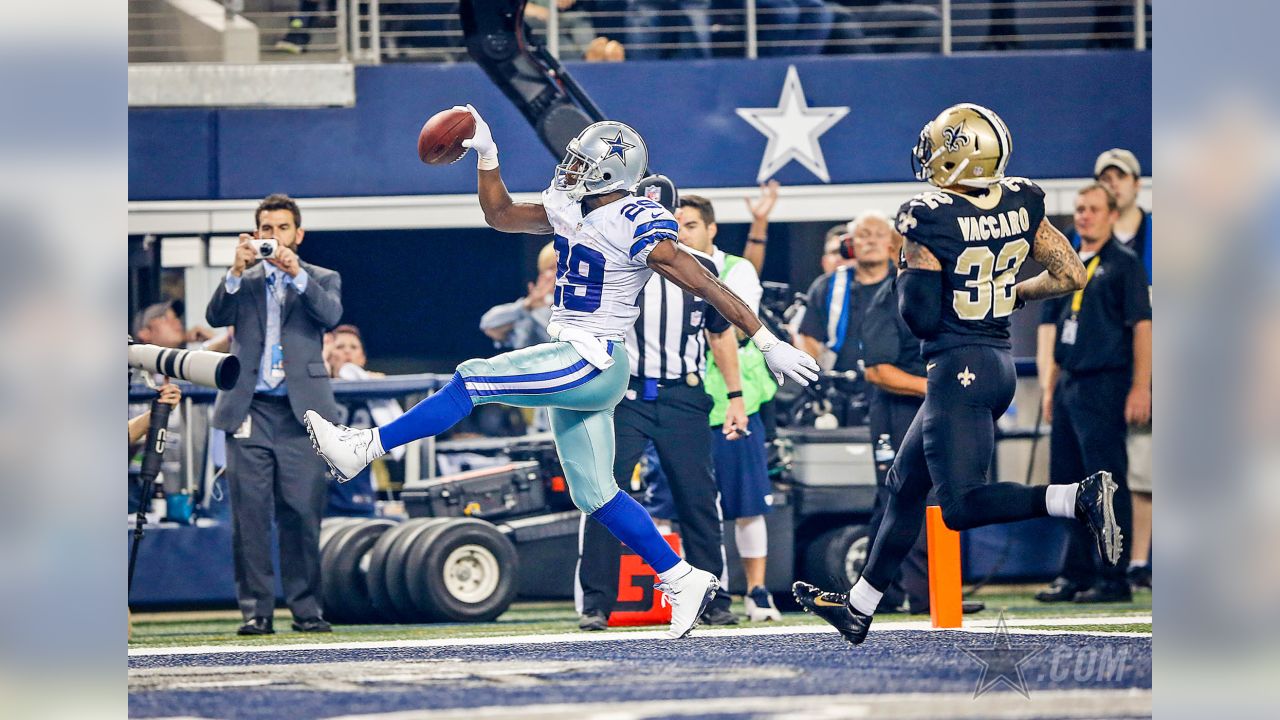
{"x": 581, "y": 399}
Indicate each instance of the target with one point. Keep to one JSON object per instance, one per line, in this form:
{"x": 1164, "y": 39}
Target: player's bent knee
{"x": 475, "y": 367}
{"x": 961, "y": 513}
{"x": 903, "y": 487}
{"x": 593, "y": 502}
{"x": 590, "y": 499}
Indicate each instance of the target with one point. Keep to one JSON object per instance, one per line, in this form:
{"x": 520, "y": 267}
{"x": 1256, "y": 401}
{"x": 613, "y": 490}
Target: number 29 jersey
{"x": 981, "y": 243}
{"x": 601, "y": 260}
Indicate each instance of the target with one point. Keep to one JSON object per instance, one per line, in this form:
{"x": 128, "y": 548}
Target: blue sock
{"x": 430, "y": 417}
{"x": 628, "y": 521}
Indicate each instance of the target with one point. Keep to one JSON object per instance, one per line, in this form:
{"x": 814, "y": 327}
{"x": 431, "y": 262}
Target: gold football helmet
{"x": 966, "y": 144}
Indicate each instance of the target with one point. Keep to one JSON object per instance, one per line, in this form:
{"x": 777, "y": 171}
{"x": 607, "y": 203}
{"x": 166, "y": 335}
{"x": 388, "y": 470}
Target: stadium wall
{"x": 1063, "y": 107}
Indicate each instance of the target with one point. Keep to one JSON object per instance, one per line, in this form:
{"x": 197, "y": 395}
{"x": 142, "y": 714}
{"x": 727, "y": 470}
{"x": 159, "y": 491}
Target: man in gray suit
{"x": 281, "y": 308}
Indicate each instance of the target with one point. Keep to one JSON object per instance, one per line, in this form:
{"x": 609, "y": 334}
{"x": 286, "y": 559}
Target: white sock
{"x": 1137, "y": 564}
{"x": 1060, "y": 500}
{"x": 676, "y": 572}
{"x": 377, "y": 443}
{"x": 752, "y": 536}
{"x": 864, "y": 598}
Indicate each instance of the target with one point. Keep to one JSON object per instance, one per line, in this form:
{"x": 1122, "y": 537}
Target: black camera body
{"x": 779, "y": 299}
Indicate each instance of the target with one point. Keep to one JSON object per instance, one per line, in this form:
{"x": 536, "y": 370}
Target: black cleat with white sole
{"x": 835, "y": 609}
{"x": 1095, "y": 508}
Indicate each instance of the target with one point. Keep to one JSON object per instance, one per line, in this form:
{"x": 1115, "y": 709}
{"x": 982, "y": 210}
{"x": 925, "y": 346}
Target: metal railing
{"x": 198, "y": 30}
{"x": 375, "y": 31}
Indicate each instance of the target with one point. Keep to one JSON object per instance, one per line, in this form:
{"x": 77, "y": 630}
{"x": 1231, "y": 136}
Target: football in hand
{"x": 440, "y": 142}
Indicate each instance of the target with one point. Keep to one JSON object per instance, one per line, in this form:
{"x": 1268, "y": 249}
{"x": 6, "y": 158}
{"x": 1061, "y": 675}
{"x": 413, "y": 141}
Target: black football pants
{"x": 949, "y": 447}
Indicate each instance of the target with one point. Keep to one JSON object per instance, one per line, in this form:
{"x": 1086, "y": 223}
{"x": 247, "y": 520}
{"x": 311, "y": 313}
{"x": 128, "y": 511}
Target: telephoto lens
{"x": 202, "y": 367}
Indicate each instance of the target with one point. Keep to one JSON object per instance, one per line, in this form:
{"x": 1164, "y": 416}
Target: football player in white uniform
{"x": 607, "y": 243}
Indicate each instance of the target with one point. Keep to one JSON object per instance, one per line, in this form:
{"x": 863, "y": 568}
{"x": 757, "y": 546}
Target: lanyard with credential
{"x": 1077, "y": 299}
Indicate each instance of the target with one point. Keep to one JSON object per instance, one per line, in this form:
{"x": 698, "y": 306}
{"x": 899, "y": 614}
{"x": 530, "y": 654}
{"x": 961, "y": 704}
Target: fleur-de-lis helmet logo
{"x": 954, "y": 137}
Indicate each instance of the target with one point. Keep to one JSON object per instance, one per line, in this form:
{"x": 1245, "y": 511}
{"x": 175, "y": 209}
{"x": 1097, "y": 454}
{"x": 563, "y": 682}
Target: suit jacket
{"x": 303, "y": 321}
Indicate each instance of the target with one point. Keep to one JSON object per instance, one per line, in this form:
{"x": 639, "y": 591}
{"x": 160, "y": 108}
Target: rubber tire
{"x": 827, "y": 557}
{"x": 345, "y": 594}
{"x": 393, "y": 569}
{"x": 329, "y": 535}
{"x": 376, "y": 579}
{"x": 425, "y": 571}
{"x": 331, "y": 525}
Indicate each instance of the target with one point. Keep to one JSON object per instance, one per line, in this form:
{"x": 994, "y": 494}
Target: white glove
{"x": 481, "y": 141}
{"x": 784, "y": 359}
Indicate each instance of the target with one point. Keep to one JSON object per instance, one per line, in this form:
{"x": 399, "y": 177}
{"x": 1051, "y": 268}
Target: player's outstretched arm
{"x": 1063, "y": 271}
{"x": 680, "y": 268}
{"x": 500, "y": 212}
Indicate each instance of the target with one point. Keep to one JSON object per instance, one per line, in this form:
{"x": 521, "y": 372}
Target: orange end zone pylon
{"x": 944, "y": 571}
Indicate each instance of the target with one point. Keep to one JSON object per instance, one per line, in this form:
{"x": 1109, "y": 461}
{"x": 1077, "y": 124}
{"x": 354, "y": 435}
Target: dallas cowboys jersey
{"x": 981, "y": 243}
{"x": 600, "y": 260}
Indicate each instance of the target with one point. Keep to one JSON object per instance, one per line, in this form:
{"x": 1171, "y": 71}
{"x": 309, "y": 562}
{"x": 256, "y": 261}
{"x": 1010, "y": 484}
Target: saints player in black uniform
{"x": 964, "y": 245}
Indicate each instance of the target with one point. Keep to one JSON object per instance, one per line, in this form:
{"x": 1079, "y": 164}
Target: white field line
{"x": 977, "y": 626}
{"x": 926, "y": 706}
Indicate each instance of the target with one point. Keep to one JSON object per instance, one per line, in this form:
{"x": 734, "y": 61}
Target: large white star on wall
{"x": 793, "y": 129}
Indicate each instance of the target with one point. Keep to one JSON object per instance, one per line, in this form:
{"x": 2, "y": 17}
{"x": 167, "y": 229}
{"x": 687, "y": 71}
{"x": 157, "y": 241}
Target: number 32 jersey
{"x": 601, "y": 260}
{"x": 981, "y": 243}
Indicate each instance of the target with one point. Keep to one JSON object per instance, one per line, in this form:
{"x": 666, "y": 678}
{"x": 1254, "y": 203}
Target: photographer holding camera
{"x": 281, "y": 308}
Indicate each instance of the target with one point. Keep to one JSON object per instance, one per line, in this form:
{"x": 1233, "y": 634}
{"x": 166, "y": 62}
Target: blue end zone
{"x": 327, "y": 683}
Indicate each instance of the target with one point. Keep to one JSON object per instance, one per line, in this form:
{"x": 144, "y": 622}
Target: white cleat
{"x": 346, "y": 450}
{"x": 760, "y": 607}
{"x": 688, "y": 597}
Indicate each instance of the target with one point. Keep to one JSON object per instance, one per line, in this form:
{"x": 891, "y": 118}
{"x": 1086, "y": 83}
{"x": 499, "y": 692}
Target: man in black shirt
{"x": 1119, "y": 170}
{"x": 1094, "y": 357}
{"x": 838, "y": 301}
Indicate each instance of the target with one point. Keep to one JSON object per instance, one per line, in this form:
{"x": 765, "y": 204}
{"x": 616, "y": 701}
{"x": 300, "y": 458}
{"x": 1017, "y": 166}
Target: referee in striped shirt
{"x": 667, "y": 404}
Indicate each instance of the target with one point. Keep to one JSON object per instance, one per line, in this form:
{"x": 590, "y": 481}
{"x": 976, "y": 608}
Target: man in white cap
{"x": 1121, "y": 173}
